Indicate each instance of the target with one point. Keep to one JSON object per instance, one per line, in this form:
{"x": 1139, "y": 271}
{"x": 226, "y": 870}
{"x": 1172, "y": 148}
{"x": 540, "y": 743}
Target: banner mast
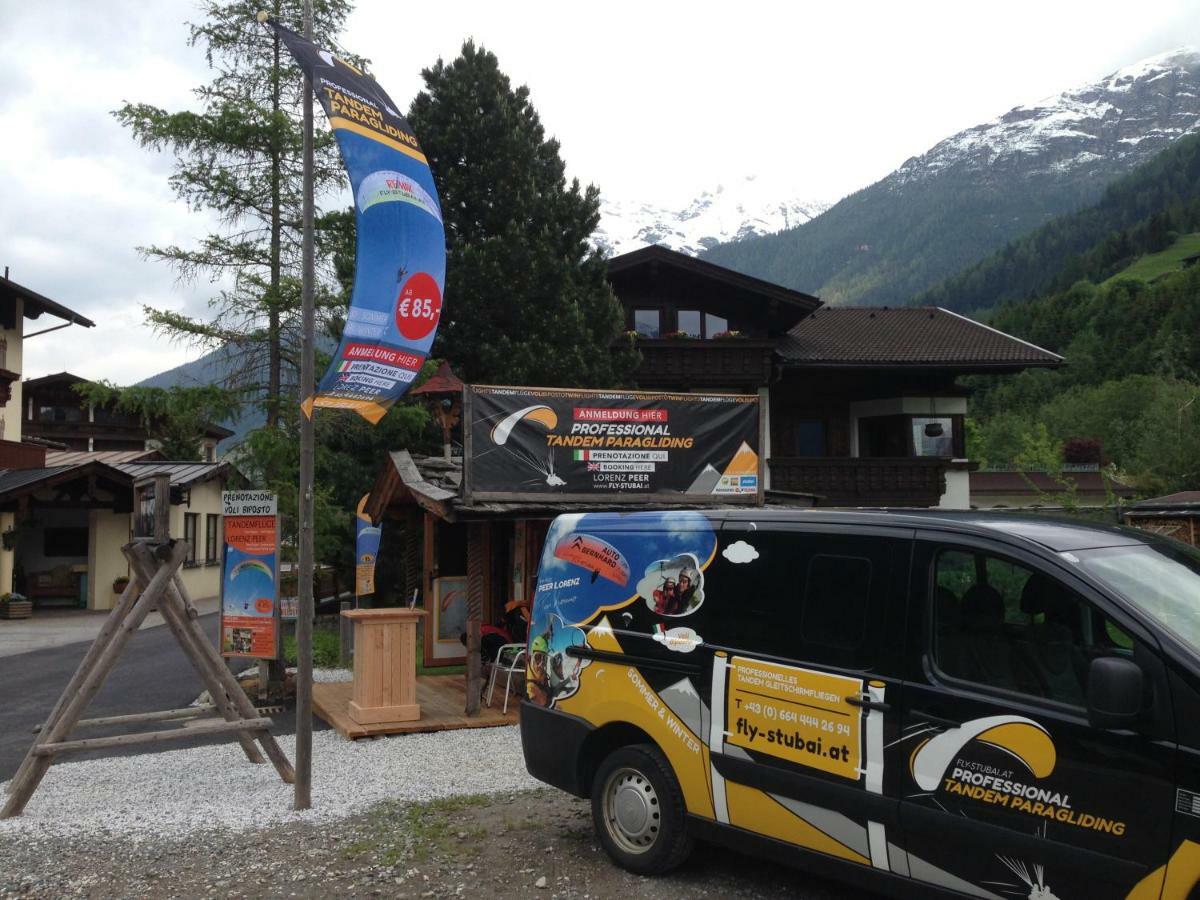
{"x": 304, "y": 618}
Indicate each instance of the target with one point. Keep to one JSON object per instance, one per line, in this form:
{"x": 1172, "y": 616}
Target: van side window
{"x": 804, "y": 597}
{"x": 836, "y": 595}
{"x": 1000, "y": 624}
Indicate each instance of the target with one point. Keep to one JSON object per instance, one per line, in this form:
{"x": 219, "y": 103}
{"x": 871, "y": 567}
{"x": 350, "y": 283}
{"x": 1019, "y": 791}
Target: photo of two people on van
{"x": 673, "y": 587}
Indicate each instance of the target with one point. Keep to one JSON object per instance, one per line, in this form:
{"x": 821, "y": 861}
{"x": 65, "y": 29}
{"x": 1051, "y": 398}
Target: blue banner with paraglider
{"x": 249, "y": 575}
{"x": 400, "y": 252}
{"x": 366, "y": 550}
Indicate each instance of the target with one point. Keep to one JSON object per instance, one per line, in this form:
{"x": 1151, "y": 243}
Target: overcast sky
{"x": 651, "y": 100}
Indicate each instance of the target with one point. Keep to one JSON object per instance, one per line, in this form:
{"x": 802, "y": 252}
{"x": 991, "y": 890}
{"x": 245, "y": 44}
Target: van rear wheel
{"x": 638, "y": 811}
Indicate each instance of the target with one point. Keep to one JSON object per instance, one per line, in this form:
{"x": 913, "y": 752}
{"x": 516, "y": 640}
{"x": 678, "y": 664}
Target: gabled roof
{"x": 36, "y": 304}
{"x": 906, "y": 337}
{"x": 109, "y": 457}
{"x": 15, "y": 483}
{"x": 183, "y": 474}
{"x": 1182, "y": 500}
{"x": 443, "y": 381}
{"x": 655, "y": 255}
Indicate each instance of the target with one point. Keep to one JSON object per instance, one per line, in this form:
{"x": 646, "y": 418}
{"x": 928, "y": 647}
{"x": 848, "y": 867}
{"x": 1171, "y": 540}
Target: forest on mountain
{"x": 1124, "y": 311}
{"x": 1143, "y": 212}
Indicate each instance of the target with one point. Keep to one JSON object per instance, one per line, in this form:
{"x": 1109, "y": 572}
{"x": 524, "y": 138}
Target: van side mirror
{"x": 1114, "y": 692}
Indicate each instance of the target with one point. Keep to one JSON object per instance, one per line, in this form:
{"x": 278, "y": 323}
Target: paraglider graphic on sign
{"x": 529, "y": 417}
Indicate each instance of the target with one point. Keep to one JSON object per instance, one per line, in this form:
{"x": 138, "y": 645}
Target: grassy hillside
{"x": 1152, "y": 266}
{"x": 1140, "y": 214}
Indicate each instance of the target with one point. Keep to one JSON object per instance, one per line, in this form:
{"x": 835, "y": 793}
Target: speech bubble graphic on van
{"x": 1023, "y": 739}
{"x": 673, "y": 587}
{"x": 681, "y": 639}
{"x": 739, "y": 553}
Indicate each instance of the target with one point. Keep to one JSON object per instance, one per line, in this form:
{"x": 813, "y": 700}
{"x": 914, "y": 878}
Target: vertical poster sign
{"x": 366, "y": 550}
{"x": 250, "y": 575}
{"x": 400, "y": 252}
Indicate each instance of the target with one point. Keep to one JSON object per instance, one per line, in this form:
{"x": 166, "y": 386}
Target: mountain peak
{"x": 729, "y": 211}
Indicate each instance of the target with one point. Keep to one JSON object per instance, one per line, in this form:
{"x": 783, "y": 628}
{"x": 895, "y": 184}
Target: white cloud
{"x": 740, "y": 552}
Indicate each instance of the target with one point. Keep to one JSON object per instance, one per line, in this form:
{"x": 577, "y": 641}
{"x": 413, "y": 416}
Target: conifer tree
{"x": 238, "y": 156}
{"x": 527, "y": 299}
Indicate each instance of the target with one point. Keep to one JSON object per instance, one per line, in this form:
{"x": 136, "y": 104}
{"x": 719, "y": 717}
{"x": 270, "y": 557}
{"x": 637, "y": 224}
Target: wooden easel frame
{"x": 157, "y": 567}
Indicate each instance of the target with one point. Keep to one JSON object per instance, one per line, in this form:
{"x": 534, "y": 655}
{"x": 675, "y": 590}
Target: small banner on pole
{"x": 250, "y": 575}
{"x": 366, "y": 550}
{"x": 400, "y": 256}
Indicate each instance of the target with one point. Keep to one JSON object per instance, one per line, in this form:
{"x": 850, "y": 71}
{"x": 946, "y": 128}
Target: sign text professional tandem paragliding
{"x": 400, "y": 257}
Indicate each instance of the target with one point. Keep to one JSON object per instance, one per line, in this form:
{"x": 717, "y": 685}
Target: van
{"x": 919, "y": 702}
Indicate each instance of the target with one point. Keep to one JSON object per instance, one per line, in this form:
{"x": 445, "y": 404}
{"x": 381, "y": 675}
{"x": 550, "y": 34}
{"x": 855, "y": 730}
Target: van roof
{"x": 1053, "y": 533}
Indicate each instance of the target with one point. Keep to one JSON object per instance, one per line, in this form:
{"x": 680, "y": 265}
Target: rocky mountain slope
{"x": 971, "y": 193}
{"x": 749, "y": 207}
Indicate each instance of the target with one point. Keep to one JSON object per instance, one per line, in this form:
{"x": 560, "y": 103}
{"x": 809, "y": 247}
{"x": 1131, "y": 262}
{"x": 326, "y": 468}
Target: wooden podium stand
{"x": 385, "y": 665}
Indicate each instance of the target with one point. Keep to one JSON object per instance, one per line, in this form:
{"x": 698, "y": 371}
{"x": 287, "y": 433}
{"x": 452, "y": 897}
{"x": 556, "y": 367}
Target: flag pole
{"x": 304, "y": 618}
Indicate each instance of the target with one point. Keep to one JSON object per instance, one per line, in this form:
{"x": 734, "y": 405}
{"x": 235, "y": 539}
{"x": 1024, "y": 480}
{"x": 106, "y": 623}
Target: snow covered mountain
{"x": 742, "y": 209}
{"x": 973, "y": 192}
{"x": 1125, "y": 118}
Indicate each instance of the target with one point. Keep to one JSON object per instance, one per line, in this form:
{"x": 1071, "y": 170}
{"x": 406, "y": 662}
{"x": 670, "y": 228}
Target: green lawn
{"x": 1150, "y": 266}
{"x": 326, "y": 643}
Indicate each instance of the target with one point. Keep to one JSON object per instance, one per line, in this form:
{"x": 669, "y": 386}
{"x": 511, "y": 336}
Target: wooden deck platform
{"x": 442, "y": 699}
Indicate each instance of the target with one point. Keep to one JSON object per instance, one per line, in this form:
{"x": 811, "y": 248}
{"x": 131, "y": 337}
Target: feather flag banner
{"x": 400, "y": 251}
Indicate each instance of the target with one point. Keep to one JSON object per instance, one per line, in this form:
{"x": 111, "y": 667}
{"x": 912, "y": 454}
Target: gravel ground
{"x": 510, "y": 845}
{"x": 148, "y": 796}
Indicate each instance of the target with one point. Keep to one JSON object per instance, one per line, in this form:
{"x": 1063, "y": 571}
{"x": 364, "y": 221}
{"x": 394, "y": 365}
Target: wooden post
{"x": 102, "y": 664}
{"x": 478, "y": 565}
{"x": 345, "y": 629}
{"x": 302, "y": 798}
{"x": 233, "y": 690}
{"x": 119, "y": 611}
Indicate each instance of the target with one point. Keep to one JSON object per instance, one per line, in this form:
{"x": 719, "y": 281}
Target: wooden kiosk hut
{"x": 470, "y": 525}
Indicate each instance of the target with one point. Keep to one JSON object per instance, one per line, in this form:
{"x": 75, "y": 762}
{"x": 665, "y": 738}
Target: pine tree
{"x": 239, "y": 157}
{"x": 527, "y": 298}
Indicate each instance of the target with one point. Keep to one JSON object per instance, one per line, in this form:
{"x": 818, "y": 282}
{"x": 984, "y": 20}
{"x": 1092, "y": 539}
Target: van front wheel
{"x": 638, "y": 811}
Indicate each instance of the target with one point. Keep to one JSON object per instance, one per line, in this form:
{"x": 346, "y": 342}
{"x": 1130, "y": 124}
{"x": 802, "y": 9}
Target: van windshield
{"x": 1162, "y": 580}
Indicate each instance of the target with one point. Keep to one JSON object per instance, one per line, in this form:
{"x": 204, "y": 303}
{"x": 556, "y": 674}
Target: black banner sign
{"x": 576, "y": 444}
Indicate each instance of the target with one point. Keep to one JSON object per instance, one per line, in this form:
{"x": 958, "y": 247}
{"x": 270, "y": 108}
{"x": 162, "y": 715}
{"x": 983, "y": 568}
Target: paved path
{"x": 60, "y": 627}
{"x": 152, "y": 674}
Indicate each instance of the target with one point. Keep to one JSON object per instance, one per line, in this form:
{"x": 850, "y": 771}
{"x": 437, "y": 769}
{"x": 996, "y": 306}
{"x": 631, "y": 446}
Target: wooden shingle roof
{"x": 906, "y": 337}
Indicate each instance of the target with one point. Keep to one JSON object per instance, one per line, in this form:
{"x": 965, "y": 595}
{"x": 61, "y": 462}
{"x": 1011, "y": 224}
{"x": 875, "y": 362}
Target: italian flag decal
{"x": 581, "y": 455}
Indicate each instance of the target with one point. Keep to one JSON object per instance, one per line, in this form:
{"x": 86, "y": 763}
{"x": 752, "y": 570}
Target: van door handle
{"x": 867, "y": 703}
{"x": 918, "y": 715}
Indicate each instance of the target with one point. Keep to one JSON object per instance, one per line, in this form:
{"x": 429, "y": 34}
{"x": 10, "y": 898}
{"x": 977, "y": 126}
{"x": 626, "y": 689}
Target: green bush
{"x": 326, "y": 648}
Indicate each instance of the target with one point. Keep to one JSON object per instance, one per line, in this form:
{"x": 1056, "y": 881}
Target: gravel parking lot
{"x": 511, "y": 845}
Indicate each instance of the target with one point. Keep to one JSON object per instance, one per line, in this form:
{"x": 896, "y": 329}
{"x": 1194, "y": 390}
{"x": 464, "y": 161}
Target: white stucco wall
{"x": 108, "y": 532}
{"x": 958, "y": 490}
{"x": 201, "y": 579}
{"x": 13, "y": 361}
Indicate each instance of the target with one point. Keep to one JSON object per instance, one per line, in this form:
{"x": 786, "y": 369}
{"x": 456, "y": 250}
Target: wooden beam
{"x": 186, "y": 712}
{"x": 200, "y": 729}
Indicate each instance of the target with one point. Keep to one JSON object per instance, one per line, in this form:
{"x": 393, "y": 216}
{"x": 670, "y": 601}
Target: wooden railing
{"x": 854, "y": 481}
{"x": 678, "y": 364}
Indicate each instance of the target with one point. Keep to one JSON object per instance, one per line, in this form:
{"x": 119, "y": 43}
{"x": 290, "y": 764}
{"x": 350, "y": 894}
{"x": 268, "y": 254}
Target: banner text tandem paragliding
{"x": 400, "y": 253}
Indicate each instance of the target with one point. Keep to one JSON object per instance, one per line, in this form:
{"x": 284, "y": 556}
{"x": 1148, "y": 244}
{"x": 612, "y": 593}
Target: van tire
{"x": 636, "y": 783}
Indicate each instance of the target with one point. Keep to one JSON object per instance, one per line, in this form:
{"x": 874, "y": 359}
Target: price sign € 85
{"x": 418, "y": 307}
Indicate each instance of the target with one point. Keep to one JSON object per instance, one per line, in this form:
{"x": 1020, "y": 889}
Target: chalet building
{"x": 66, "y": 496}
{"x": 55, "y": 413}
{"x": 862, "y": 406}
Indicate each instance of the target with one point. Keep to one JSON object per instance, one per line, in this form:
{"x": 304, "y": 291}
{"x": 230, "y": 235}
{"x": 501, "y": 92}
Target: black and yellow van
{"x": 961, "y": 704}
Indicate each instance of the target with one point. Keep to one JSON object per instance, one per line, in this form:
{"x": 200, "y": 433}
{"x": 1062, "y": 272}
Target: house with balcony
{"x": 67, "y": 477}
{"x": 863, "y": 406}
{"x": 53, "y": 412}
